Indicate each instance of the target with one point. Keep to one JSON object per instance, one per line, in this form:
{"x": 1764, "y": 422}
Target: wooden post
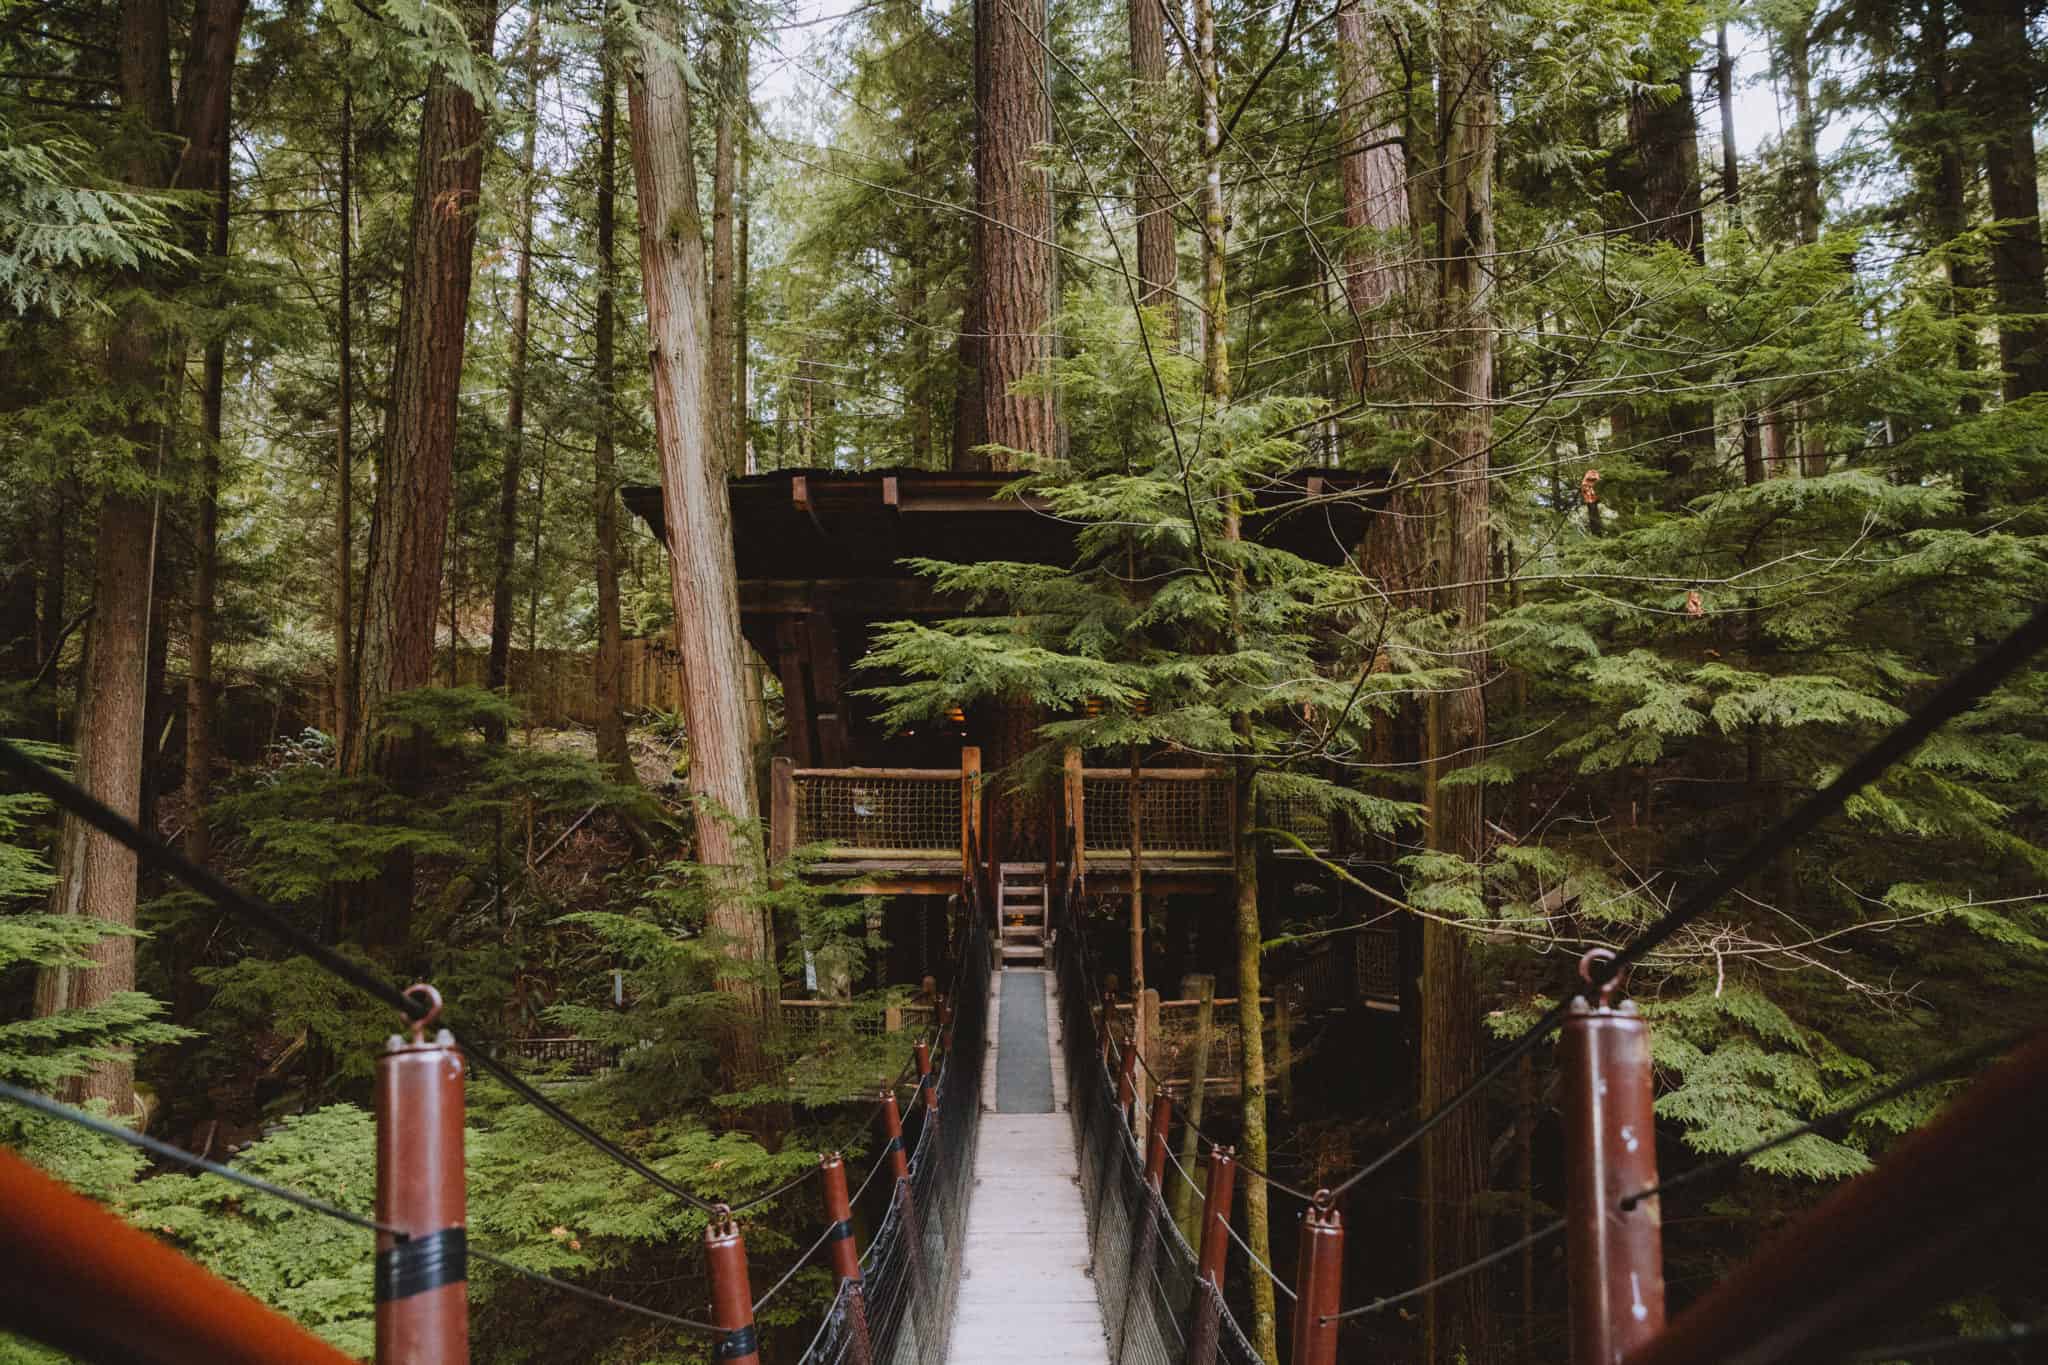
{"x": 1526, "y": 1096}
{"x": 781, "y": 808}
{"x": 422, "y": 1289}
{"x": 1319, "y": 1272}
{"x": 1155, "y": 1141}
{"x": 1077, "y": 822}
{"x": 1140, "y": 1034}
{"x": 892, "y": 1130}
{"x": 732, "y": 1295}
{"x": 970, "y": 813}
{"x": 1202, "y": 987}
{"x": 1222, "y": 1184}
{"x": 1615, "y": 1255}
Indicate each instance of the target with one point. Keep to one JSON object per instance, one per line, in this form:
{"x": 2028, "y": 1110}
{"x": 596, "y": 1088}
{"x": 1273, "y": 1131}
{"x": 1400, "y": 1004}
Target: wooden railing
{"x": 810, "y": 1018}
{"x": 1172, "y": 1053}
{"x": 582, "y": 1056}
{"x": 915, "y": 816}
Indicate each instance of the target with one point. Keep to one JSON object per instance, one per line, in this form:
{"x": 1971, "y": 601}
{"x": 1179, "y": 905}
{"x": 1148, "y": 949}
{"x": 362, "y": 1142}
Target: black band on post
{"x": 737, "y": 1344}
{"x": 423, "y": 1263}
{"x": 894, "y": 1144}
{"x": 840, "y": 1230}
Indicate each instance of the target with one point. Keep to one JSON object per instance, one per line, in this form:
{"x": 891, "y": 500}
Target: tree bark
{"x": 1251, "y": 1022}
{"x": 1948, "y": 195}
{"x": 724, "y": 178}
{"x": 1374, "y": 171}
{"x": 1454, "y": 1153}
{"x": 95, "y": 874}
{"x": 698, "y": 511}
{"x": 1805, "y": 140}
{"x": 416, "y": 475}
{"x": 199, "y": 688}
{"x": 2004, "y": 73}
{"x": 1014, "y": 283}
{"x": 344, "y": 454}
{"x": 1158, "y": 258}
{"x": 497, "y": 665}
{"x": 610, "y": 680}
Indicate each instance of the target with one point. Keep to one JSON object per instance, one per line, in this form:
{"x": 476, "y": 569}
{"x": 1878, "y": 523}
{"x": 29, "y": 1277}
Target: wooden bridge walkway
{"x": 1026, "y": 1293}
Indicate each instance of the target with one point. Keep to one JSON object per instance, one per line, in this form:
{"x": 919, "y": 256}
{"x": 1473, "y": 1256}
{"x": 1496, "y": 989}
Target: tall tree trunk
{"x": 1014, "y": 283}
{"x": 1251, "y": 1020}
{"x": 742, "y": 270}
{"x": 1454, "y": 1153}
{"x": 199, "y": 689}
{"x": 1158, "y": 259}
{"x": 344, "y": 454}
{"x": 415, "y": 477}
{"x": 95, "y": 874}
{"x": 698, "y": 511}
{"x": 1805, "y": 151}
{"x": 724, "y": 178}
{"x": 497, "y": 667}
{"x": 1374, "y": 171}
{"x": 1662, "y": 174}
{"x": 610, "y": 680}
{"x": 2004, "y": 74}
{"x": 1948, "y": 195}
{"x": 1724, "y": 91}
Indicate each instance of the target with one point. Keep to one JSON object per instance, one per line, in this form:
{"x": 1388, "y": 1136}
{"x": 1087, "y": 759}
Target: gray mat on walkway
{"x": 1023, "y": 1052}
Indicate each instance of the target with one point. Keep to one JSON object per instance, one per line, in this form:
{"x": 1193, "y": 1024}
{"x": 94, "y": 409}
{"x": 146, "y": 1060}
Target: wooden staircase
{"x": 1022, "y": 907}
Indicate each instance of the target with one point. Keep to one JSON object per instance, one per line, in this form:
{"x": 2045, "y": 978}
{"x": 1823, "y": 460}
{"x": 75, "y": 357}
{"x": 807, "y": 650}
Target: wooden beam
{"x": 782, "y": 808}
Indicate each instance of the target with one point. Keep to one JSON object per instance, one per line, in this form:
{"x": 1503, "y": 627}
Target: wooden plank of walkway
{"x": 1025, "y": 1291}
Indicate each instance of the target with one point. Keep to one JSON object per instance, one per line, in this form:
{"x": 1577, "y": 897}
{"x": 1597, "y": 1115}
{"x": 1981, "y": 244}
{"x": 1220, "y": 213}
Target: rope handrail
{"x": 1494, "y": 1257}
{"x": 1953, "y": 698}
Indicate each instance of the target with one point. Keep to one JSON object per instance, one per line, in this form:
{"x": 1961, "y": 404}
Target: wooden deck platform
{"x": 1026, "y": 1293}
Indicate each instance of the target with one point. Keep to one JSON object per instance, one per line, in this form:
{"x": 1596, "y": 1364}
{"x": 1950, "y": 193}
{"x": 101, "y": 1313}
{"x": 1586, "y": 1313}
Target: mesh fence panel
{"x": 1179, "y": 814}
{"x": 902, "y": 1314}
{"x": 879, "y": 814}
{"x": 1156, "y": 1310}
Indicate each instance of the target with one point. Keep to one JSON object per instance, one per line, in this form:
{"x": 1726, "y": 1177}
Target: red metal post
{"x": 422, "y": 1288}
{"x": 1319, "y": 1276}
{"x": 82, "y": 1280}
{"x": 1615, "y": 1255}
{"x": 839, "y": 1213}
{"x": 892, "y": 1130}
{"x": 1108, "y": 1018}
{"x": 1155, "y": 1141}
{"x": 1222, "y": 1184}
{"x": 732, "y": 1294}
{"x": 1127, "y": 1079}
{"x": 927, "y": 1084}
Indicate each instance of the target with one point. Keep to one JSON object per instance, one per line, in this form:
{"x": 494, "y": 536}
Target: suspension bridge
{"x": 1025, "y": 1211}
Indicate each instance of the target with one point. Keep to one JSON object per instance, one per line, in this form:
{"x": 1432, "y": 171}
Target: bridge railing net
{"x": 879, "y": 813}
{"x": 1156, "y": 1309}
{"x": 910, "y": 1273}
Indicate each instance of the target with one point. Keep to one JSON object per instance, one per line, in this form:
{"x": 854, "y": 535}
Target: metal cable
{"x": 42, "y": 1104}
{"x": 595, "y": 1296}
{"x": 1244, "y": 1166}
{"x": 152, "y": 852}
{"x": 1469, "y": 1268}
{"x": 1955, "y": 697}
{"x": 736, "y": 1209}
{"x": 1835, "y": 1123}
{"x": 801, "y": 1262}
{"x": 1278, "y": 1283}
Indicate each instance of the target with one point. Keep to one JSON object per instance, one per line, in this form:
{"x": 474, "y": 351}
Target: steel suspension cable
{"x": 152, "y": 852}
{"x": 1450, "y": 1277}
{"x": 42, "y": 1104}
{"x": 1836, "y": 1122}
{"x": 1954, "y": 697}
{"x": 801, "y": 1262}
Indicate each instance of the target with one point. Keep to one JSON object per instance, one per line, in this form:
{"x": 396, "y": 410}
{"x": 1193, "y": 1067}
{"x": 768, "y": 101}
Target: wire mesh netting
{"x": 877, "y": 814}
{"x": 1156, "y": 1309}
{"x": 1177, "y": 814}
{"x": 901, "y": 1312}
